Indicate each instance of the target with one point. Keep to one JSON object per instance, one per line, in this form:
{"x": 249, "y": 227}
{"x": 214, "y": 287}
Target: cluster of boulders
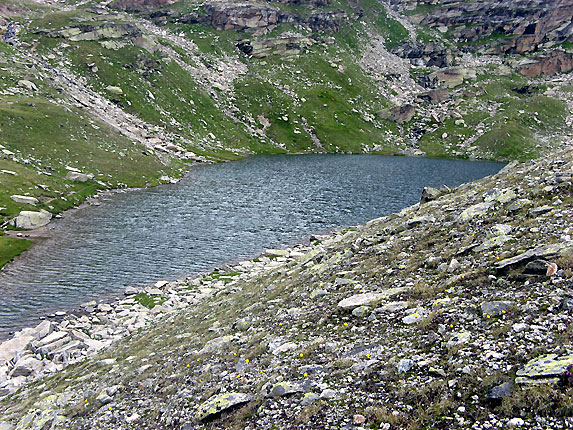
{"x": 64, "y": 338}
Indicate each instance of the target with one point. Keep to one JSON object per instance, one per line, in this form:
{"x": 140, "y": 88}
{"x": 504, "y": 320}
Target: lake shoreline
{"x": 315, "y": 313}
{"x": 51, "y": 235}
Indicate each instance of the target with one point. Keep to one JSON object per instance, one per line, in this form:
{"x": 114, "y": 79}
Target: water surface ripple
{"x": 217, "y": 214}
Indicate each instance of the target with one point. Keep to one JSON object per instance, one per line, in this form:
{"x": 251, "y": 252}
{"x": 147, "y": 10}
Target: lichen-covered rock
{"x": 475, "y": 211}
{"x": 544, "y": 369}
{"x": 220, "y": 403}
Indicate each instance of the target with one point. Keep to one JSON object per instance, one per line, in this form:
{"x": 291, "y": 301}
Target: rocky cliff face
{"x": 518, "y": 26}
{"x": 139, "y": 5}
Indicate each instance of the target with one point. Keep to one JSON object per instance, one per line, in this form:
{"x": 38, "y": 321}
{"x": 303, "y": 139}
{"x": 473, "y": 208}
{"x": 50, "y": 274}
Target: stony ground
{"x": 454, "y": 313}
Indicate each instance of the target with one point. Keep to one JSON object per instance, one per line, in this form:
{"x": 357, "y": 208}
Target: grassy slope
{"x": 11, "y": 247}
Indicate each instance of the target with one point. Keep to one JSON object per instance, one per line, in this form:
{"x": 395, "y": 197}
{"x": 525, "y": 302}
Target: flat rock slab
{"x": 220, "y": 403}
{"x": 10, "y": 348}
{"x": 284, "y": 389}
{"x": 369, "y": 299}
{"x": 24, "y": 199}
{"x": 547, "y": 251}
{"x": 544, "y": 369}
{"x": 475, "y": 211}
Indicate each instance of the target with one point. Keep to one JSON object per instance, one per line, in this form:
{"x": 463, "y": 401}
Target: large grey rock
{"x": 497, "y": 393}
{"x": 220, "y": 403}
{"x": 78, "y": 176}
{"x": 11, "y": 348}
{"x": 26, "y": 366}
{"x": 416, "y": 316}
{"x": 495, "y": 308}
{"x": 518, "y": 205}
{"x": 40, "y": 331}
{"x": 369, "y": 299}
{"x": 284, "y": 389}
{"x": 366, "y": 299}
{"x": 400, "y": 114}
{"x": 24, "y": 199}
{"x": 418, "y": 220}
{"x": 30, "y": 219}
{"x": 475, "y": 211}
{"x": 29, "y": 85}
{"x": 500, "y": 195}
{"x": 547, "y": 251}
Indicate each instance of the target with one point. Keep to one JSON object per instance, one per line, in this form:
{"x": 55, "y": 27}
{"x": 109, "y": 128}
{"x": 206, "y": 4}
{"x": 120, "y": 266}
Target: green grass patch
{"x": 11, "y": 247}
{"x": 149, "y": 301}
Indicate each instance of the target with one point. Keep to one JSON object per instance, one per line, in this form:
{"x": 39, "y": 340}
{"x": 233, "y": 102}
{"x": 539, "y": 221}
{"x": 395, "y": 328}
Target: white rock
{"x": 360, "y": 300}
{"x": 78, "y": 177}
{"x": 30, "y": 220}
{"x": 418, "y": 315}
{"x": 24, "y": 83}
{"x": 27, "y": 366}
{"x": 52, "y": 337}
{"x": 25, "y": 199}
{"x": 289, "y": 346}
{"x": 328, "y": 394}
{"x": 12, "y": 347}
{"x": 515, "y": 422}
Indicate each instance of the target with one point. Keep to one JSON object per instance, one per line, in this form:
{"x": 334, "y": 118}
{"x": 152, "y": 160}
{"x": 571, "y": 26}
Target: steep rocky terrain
{"x": 454, "y": 313}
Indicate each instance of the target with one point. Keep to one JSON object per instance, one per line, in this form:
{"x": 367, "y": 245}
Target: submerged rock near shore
{"x": 394, "y": 324}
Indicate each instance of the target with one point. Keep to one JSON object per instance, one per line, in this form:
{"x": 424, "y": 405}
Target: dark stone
{"x": 429, "y": 194}
{"x": 436, "y": 96}
{"x": 400, "y": 114}
{"x": 497, "y": 393}
{"x": 495, "y": 308}
{"x": 526, "y": 89}
{"x": 567, "y": 305}
{"x": 536, "y": 267}
{"x": 549, "y": 64}
{"x": 425, "y": 54}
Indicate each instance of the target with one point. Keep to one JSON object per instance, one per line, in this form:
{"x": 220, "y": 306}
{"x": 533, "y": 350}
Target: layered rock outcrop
{"x": 547, "y": 65}
{"x": 243, "y": 16}
{"x": 513, "y": 26}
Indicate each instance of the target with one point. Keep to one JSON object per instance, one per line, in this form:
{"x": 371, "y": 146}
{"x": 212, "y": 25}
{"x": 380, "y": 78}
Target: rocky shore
{"x": 453, "y": 313}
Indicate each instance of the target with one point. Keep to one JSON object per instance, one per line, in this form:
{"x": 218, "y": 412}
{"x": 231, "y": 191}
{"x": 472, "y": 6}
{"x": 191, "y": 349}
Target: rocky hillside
{"x": 99, "y": 95}
{"x": 454, "y": 313}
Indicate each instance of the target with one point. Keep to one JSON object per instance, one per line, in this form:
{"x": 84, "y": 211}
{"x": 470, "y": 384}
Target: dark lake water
{"x": 217, "y": 214}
